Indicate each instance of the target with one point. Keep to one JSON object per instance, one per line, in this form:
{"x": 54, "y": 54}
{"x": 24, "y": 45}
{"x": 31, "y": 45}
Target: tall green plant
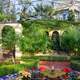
{"x": 34, "y": 39}
{"x": 8, "y": 37}
{"x": 9, "y": 40}
{"x": 2, "y": 17}
{"x": 70, "y": 40}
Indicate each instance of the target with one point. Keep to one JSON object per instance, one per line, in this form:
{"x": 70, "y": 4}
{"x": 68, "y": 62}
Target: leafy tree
{"x": 48, "y": 11}
{"x": 45, "y": 11}
{"x": 71, "y": 16}
{"x": 7, "y": 11}
{"x": 25, "y": 12}
{"x": 70, "y": 40}
{"x": 9, "y": 39}
{"x": 77, "y": 49}
{"x": 2, "y": 17}
{"x": 34, "y": 39}
{"x": 24, "y": 15}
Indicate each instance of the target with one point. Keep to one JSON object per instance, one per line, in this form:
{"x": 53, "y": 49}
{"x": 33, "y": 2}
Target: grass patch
{"x": 48, "y": 58}
{"x": 75, "y": 65}
{"x": 11, "y": 68}
{"x": 75, "y": 58}
{"x": 33, "y": 61}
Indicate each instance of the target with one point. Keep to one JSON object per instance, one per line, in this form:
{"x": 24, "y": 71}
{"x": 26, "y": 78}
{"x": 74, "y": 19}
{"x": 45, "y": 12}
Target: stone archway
{"x": 17, "y": 26}
{"x": 55, "y": 41}
{"x": 59, "y": 31}
{"x": 18, "y": 30}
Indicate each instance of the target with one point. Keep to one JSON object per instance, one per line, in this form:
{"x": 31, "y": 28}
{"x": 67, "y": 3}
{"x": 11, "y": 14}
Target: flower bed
{"x": 58, "y": 65}
{"x": 53, "y": 74}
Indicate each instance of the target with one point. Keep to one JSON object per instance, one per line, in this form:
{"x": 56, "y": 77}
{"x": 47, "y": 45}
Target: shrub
{"x": 71, "y": 16}
{"x": 54, "y": 58}
{"x": 70, "y": 40}
{"x": 75, "y": 65}
{"x": 2, "y": 17}
{"x": 34, "y": 39}
{"x": 11, "y": 69}
{"x": 8, "y": 37}
{"x": 75, "y": 58}
{"x": 48, "y": 58}
{"x": 5, "y": 70}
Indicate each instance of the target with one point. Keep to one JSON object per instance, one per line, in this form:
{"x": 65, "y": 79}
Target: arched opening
{"x": 55, "y": 41}
{"x": 8, "y": 41}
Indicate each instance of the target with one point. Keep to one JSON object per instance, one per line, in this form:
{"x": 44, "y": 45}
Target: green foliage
{"x": 5, "y": 70}
{"x": 24, "y": 15}
{"x": 75, "y": 65}
{"x": 75, "y": 58}
{"x": 54, "y": 58}
{"x": 10, "y": 17}
{"x": 2, "y": 17}
{"x": 32, "y": 61}
{"x": 8, "y": 37}
{"x": 11, "y": 68}
{"x": 47, "y": 58}
{"x": 70, "y": 39}
{"x": 49, "y": 23}
{"x": 71, "y": 16}
{"x": 45, "y": 11}
{"x": 34, "y": 39}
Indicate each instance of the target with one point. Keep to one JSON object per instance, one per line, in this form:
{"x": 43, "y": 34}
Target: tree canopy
{"x": 8, "y": 37}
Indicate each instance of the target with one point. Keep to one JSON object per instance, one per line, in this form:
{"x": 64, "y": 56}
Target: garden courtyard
{"x": 47, "y": 49}
{"x": 39, "y": 40}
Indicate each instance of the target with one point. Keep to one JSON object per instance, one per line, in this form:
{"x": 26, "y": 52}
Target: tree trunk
{"x": 13, "y": 56}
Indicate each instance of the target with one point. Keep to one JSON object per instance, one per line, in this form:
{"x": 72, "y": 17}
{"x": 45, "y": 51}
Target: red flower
{"x": 67, "y": 70}
{"x": 42, "y": 68}
{"x": 66, "y": 77}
